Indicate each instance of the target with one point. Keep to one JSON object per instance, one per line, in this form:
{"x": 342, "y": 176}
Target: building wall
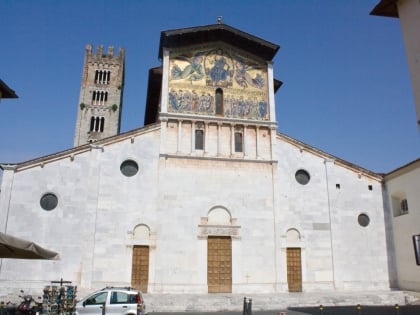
{"x": 91, "y": 228}
{"x": 338, "y": 252}
{"x": 174, "y": 199}
{"x": 403, "y": 184}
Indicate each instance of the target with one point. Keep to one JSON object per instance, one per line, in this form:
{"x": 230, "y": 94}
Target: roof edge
{"x": 6, "y": 91}
{"x": 387, "y": 8}
{"x": 70, "y": 153}
{"x": 200, "y": 34}
{"x": 338, "y": 161}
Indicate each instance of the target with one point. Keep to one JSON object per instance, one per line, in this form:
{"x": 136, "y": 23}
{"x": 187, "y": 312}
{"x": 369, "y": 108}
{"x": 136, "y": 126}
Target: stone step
{"x": 279, "y": 301}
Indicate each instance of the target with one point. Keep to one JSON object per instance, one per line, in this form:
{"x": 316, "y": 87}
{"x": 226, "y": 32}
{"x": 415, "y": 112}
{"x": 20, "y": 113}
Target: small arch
{"x": 141, "y": 232}
{"x": 219, "y": 216}
{"x": 292, "y": 236}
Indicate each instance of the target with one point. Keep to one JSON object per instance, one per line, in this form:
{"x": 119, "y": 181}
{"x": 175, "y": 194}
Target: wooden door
{"x": 140, "y": 269}
{"x": 294, "y": 270}
{"x": 219, "y": 264}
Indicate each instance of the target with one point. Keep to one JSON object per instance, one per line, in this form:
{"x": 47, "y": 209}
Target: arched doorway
{"x": 140, "y": 262}
{"x": 294, "y": 261}
{"x": 219, "y": 229}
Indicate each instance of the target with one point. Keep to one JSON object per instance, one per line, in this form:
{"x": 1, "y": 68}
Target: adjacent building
{"x": 401, "y": 184}
{"x": 408, "y": 12}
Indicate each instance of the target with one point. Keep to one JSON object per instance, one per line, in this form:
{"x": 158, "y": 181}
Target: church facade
{"x": 207, "y": 197}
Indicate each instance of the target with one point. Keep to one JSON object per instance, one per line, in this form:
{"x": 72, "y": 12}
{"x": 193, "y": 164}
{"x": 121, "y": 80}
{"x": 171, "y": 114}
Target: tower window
{"x": 219, "y": 102}
{"x": 97, "y": 124}
{"x": 102, "y": 76}
{"x": 238, "y": 142}
{"x": 199, "y": 139}
{"x": 99, "y": 97}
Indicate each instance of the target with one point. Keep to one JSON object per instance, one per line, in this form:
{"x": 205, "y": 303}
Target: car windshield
{"x": 98, "y": 298}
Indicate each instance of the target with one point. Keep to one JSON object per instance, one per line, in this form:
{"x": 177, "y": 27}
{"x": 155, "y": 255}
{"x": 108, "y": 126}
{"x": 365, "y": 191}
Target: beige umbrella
{"x": 13, "y": 247}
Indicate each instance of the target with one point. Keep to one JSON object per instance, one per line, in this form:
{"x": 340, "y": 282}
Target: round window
{"x": 363, "y": 219}
{"x": 302, "y": 177}
{"x": 129, "y": 168}
{"x": 48, "y": 201}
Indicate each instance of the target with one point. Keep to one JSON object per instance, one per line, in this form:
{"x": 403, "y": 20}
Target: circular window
{"x": 363, "y": 219}
{"x": 129, "y": 168}
{"x": 302, "y": 177}
{"x": 48, "y": 201}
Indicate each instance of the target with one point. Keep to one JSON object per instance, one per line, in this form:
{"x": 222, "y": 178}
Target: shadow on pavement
{"x": 362, "y": 310}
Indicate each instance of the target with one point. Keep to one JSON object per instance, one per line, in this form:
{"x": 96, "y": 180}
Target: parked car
{"x": 112, "y": 301}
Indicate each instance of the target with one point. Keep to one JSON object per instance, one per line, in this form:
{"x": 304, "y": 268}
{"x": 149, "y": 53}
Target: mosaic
{"x": 195, "y": 76}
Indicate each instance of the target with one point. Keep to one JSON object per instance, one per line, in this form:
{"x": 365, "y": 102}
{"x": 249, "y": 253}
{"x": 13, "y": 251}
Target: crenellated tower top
{"x": 99, "y": 55}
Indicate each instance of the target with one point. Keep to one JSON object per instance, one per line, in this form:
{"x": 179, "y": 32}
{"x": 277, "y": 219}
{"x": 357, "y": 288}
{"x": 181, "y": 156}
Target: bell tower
{"x": 101, "y": 94}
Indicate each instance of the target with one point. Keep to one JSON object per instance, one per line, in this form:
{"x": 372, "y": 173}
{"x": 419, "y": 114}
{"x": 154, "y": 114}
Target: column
{"x": 219, "y": 134}
{"x": 179, "y": 136}
{"x": 206, "y": 130}
{"x": 245, "y": 142}
{"x": 232, "y": 139}
{"x": 193, "y": 136}
{"x": 257, "y": 141}
{"x": 163, "y": 131}
{"x": 165, "y": 82}
{"x": 271, "y": 98}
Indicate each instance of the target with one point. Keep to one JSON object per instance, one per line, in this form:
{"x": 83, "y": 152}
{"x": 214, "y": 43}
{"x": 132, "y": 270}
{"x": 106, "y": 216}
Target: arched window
{"x": 96, "y": 76}
{"x": 97, "y": 124}
{"x": 199, "y": 139}
{"x": 219, "y": 101}
{"x": 102, "y": 76}
{"x": 238, "y": 142}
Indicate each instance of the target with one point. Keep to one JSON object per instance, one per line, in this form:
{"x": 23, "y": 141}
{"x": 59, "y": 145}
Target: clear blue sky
{"x": 346, "y": 84}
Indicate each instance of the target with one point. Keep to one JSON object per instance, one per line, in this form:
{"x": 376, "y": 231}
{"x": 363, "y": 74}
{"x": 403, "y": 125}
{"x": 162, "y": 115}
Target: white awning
{"x": 17, "y": 248}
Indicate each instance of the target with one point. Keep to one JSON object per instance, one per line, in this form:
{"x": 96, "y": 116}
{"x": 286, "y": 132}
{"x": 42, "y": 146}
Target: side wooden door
{"x": 140, "y": 268}
{"x": 294, "y": 270}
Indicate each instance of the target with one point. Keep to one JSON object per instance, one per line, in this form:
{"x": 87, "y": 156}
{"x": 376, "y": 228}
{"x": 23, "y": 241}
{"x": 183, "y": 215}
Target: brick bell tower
{"x": 101, "y": 94}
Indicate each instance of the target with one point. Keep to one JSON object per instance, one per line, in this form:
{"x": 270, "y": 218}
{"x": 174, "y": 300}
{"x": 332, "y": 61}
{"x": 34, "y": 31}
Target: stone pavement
{"x": 278, "y": 301}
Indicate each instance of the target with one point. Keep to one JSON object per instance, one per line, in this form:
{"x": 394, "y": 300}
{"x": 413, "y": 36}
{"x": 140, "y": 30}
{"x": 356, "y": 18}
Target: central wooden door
{"x": 294, "y": 270}
{"x": 219, "y": 264}
{"x": 140, "y": 269}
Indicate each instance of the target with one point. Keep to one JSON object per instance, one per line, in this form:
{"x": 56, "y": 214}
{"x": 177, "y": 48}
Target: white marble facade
{"x": 171, "y": 196}
{"x": 181, "y": 196}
